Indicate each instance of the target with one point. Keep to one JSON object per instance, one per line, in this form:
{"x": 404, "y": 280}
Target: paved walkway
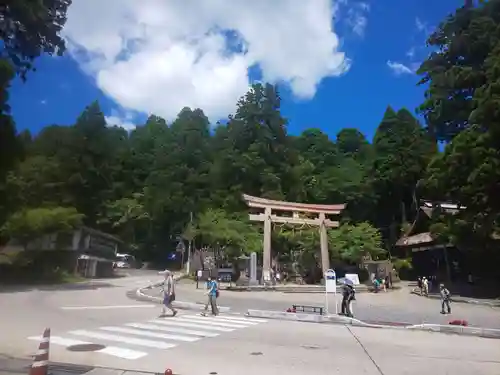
{"x": 461, "y": 299}
{"x": 396, "y": 307}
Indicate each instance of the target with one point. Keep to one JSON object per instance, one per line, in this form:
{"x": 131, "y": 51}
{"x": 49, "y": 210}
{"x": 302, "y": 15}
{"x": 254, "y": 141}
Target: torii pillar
{"x": 321, "y": 221}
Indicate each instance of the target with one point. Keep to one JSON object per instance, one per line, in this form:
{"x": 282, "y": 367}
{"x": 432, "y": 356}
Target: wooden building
{"x": 430, "y": 258}
{"x": 91, "y": 252}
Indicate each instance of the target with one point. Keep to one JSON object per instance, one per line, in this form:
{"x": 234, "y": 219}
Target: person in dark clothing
{"x": 348, "y": 295}
{"x": 420, "y": 285}
{"x": 445, "y": 299}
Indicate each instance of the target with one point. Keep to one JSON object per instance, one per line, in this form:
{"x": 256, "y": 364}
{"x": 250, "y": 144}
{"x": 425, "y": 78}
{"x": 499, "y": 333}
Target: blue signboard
{"x": 330, "y": 275}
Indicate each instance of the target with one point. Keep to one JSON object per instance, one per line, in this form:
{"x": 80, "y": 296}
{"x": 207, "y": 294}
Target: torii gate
{"x": 268, "y": 218}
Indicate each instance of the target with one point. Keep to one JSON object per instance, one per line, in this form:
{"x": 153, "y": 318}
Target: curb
{"x": 178, "y": 304}
{"x": 469, "y": 301}
{"x": 459, "y": 330}
{"x": 309, "y": 318}
{"x": 362, "y": 288}
{"x": 335, "y": 319}
{"x": 285, "y": 289}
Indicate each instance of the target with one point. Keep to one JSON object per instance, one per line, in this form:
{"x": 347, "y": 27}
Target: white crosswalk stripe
{"x": 154, "y": 334}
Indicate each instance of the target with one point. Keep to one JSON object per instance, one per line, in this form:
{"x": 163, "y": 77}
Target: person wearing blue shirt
{"x": 212, "y": 293}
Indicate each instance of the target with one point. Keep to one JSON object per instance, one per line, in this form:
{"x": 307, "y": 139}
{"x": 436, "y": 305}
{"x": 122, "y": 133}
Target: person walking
{"x": 445, "y": 299}
{"x": 420, "y": 285}
{"x": 212, "y": 293}
{"x": 168, "y": 290}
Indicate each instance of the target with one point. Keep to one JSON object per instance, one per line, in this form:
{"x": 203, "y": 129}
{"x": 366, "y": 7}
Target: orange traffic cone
{"x": 40, "y": 365}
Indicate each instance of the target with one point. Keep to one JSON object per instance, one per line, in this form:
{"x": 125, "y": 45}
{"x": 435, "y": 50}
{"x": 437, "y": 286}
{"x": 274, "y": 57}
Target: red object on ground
{"x": 458, "y": 322}
{"x": 168, "y": 372}
{"x": 40, "y": 365}
{"x": 289, "y": 310}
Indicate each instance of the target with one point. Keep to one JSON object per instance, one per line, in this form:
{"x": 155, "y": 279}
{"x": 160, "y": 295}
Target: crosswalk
{"x": 135, "y": 340}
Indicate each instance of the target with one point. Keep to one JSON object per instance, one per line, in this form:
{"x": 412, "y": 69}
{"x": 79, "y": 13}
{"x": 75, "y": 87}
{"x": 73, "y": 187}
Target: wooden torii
{"x": 268, "y": 218}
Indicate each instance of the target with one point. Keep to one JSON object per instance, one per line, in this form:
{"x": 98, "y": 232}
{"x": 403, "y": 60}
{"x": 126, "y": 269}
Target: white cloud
{"x": 123, "y": 121}
{"x": 399, "y": 68}
{"x": 411, "y": 52}
{"x": 357, "y": 17}
{"x": 158, "y": 56}
{"x": 420, "y": 25}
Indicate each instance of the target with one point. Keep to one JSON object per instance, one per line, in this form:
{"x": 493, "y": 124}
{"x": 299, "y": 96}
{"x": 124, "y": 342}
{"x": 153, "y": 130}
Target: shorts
{"x": 168, "y": 299}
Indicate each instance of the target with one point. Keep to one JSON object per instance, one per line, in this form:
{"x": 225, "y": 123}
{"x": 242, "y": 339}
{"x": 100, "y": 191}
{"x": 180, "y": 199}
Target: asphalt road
{"x": 97, "y": 325}
{"x": 399, "y": 306}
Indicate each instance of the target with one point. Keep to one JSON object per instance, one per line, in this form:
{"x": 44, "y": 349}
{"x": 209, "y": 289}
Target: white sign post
{"x": 330, "y": 287}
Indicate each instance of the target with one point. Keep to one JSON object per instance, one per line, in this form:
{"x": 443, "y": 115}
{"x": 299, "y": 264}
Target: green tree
{"x": 462, "y": 44}
{"x": 252, "y": 151}
{"x": 461, "y": 108}
{"x": 31, "y": 28}
{"x": 233, "y": 234}
{"x": 30, "y": 224}
{"x": 37, "y": 181}
{"x": 10, "y": 146}
{"x": 127, "y": 214}
{"x": 402, "y": 151}
{"x": 354, "y": 242}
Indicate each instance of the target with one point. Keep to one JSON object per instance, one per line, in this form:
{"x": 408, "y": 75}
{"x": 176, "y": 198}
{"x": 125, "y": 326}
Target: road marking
{"x": 172, "y": 329}
{"x": 106, "y": 307}
{"x": 203, "y": 320}
{"x": 123, "y": 339}
{"x": 197, "y": 325}
{"x": 110, "y": 350}
{"x": 140, "y": 332}
{"x": 242, "y": 319}
{"x": 229, "y": 320}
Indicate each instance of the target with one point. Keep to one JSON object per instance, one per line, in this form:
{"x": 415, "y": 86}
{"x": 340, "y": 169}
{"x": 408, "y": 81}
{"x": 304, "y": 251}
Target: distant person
{"x": 425, "y": 287}
{"x": 431, "y": 284}
{"x": 445, "y": 299}
{"x": 212, "y": 294}
{"x": 168, "y": 290}
{"x": 348, "y": 296}
{"x": 420, "y": 285}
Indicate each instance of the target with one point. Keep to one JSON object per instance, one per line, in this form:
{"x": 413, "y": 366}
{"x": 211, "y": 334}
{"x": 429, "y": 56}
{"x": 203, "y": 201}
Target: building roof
{"x": 417, "y": 239}
{"x": 426, "y": 237}
{"x": 102, "y": 234}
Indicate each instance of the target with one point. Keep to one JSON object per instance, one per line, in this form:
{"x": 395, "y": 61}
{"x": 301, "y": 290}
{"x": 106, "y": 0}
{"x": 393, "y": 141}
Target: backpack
{"x": 217, "y": 289}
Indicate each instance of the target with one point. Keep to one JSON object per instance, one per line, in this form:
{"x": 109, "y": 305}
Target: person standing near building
{"x": 425, "y": 287}
{"x": 445, "y": 299}
{"x": 212, "y": 294}
{"x": 168, "y": 290}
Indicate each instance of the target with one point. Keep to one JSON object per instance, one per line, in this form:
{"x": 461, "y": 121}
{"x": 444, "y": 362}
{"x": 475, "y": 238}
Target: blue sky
{"x": 394, "y": 32}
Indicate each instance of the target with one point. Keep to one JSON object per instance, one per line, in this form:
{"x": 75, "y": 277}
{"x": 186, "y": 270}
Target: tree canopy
{"x": 145, "y": 185}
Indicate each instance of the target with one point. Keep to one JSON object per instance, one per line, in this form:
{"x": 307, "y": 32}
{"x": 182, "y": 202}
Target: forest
{"x": 184, "y": 179}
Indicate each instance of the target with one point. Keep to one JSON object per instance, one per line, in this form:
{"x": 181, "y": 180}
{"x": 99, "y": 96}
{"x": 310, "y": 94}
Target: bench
{"x": 306, "y": 308}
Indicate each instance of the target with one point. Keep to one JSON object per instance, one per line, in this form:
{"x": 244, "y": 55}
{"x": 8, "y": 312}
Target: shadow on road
{"x": 13, "y": 366}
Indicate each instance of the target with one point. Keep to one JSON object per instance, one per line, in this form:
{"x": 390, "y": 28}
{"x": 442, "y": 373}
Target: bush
{"x": 404, "y": 267}
{"x": 51, "y": 266}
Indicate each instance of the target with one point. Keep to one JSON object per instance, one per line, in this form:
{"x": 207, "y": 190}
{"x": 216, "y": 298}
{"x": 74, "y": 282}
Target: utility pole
{"x": 188, "y": 267}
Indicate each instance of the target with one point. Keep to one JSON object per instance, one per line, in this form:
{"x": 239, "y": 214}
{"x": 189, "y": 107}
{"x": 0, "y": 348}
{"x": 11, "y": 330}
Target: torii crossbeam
{"x": 268, "y": 218}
